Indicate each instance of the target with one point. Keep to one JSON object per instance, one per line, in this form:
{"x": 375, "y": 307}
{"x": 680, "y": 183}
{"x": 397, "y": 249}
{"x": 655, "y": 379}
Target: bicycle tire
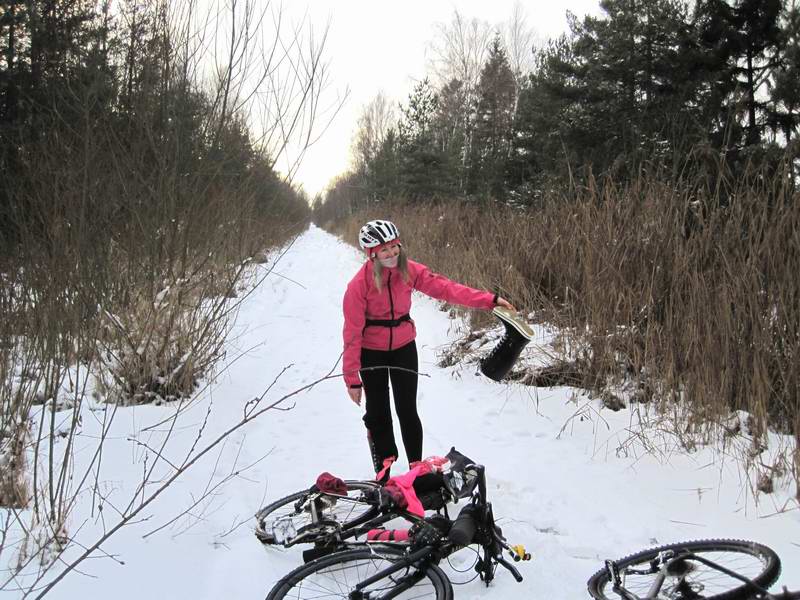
{"x": 334, "y": 576}
{"x": 764, "y": 567}
{"x": 347, "y": 513}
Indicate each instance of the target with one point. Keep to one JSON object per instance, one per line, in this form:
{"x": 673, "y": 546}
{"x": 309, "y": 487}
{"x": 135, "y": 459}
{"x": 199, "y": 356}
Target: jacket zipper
{"x": 391, "y": 306}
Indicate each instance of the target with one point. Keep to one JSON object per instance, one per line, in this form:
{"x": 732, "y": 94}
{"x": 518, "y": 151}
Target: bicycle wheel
{"x": 336, "y": 575}
{"x": 691, "y": 578}
{"x": 290, "y": 520}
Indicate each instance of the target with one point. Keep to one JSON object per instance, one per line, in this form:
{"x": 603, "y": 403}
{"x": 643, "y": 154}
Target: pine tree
{"x": 13, "y": 33}
{"x": 384, "y": 179}
{"x": 618, "y": 89}
{"x": 494, "y": 118}
{"x": 451, "y": 128}
{"x": 50, "y": 63}
{"x": 784, "y": 112}
{"x": 633, "y": 58}
{"x": 425, "y": 169}
{"x": 743, "y": 40}
{"x": 757, "y": 39}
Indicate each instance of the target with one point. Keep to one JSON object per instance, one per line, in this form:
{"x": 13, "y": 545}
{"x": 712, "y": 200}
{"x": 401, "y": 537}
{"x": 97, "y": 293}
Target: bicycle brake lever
{"x": 517, "y": 575}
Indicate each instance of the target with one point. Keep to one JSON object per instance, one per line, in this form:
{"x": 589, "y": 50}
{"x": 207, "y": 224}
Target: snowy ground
{"x": 564, "y": 478}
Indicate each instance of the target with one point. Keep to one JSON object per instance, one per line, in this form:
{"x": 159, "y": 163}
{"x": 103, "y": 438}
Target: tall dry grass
{"x": 686, "y": 287}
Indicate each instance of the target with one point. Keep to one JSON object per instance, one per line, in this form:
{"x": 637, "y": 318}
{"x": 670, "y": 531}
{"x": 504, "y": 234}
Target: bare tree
{"x": 520, "y": 40}
{"x": 458, "y": 53}
{"x": 292, "y": 104}
{"x": 376, "y": 118}
{"x": 459, "y": 50}
{"x": 272, "y": 72}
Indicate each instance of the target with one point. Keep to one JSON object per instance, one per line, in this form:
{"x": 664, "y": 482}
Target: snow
{"x": 568, "y": 479}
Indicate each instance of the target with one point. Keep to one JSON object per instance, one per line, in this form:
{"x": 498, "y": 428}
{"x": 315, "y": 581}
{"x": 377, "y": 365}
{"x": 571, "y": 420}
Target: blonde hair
{"x": 402, "y": 266}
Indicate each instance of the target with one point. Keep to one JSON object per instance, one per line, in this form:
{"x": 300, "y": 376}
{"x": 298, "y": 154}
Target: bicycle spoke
{"x": 293, "y": 518}
{"x": 701, "y": 578}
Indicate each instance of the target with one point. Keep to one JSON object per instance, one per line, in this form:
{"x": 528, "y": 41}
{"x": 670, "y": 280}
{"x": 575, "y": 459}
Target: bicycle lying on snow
{"x": 705, "y": 569}
{"x": 326, "y": 517}
{"x": 371, "y": 570}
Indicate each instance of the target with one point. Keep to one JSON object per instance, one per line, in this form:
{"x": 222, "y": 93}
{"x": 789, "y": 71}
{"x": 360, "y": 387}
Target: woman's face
{"x": 389, "y": 251}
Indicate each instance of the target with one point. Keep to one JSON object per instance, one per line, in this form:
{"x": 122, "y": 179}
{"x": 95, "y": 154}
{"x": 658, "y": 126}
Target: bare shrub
{"x": 135, "y": 229}
{"x": 16, "y": 392}
{"x": 14, "y": 487}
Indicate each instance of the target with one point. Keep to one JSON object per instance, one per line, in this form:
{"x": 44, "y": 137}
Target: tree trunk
{"x": 752, "y": 129}
{"x": 10, "y": 109}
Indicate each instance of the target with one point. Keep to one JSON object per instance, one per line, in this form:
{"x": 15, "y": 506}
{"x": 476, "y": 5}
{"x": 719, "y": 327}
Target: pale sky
{"x": 376, "y": 46}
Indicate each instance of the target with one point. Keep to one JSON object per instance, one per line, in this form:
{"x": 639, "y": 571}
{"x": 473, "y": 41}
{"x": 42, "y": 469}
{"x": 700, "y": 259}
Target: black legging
{"x": 378, "y": 417}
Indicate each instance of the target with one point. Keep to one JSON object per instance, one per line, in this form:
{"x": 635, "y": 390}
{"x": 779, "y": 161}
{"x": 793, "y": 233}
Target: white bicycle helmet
{"x": 377, "y": 233}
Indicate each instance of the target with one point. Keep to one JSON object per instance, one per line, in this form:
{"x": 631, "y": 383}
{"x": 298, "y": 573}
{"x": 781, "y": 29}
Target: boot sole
{"x": 513, "y": 319}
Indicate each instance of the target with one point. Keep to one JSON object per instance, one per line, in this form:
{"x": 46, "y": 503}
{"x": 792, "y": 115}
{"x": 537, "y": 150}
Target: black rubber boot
{"x": 497, "y": 364}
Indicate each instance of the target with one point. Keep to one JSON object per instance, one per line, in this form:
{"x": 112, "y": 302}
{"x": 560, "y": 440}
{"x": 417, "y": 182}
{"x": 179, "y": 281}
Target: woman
{"x": 379, "y": 337}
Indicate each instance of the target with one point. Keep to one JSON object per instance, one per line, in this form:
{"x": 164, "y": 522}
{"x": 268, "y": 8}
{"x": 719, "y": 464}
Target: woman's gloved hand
{"x": 505, "y": 303}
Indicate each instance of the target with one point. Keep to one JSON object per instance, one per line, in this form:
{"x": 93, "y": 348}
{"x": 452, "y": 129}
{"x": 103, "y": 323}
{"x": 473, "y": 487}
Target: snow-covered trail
{"x": 563, "y": 485}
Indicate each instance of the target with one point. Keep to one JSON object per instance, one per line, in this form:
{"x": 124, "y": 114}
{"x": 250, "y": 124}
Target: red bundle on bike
{"x": 330, "y": 484}
{"x": 403, "y": 486}
{"x": 387, "y": 535}
{"x": 432, "y": 464}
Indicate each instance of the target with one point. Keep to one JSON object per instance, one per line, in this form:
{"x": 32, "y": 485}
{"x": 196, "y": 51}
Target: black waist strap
{"x": 388, "y": 322}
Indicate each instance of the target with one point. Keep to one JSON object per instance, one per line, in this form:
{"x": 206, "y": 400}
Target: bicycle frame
{"x": 323, "y": 530}
{"x": 433, "y": 553}
{"x": 333, "y": 531}
{"x": 429, "y": 555}
{"x": 403, "y": 584}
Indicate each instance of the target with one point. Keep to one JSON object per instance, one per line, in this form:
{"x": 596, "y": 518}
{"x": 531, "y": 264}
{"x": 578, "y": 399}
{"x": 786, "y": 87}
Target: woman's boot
{"x": 499, "y": 361}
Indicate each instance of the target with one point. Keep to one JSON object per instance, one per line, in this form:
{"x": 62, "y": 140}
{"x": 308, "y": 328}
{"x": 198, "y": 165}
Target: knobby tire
{"x": 755, "y": 561}
{"x": 335, "y": 576}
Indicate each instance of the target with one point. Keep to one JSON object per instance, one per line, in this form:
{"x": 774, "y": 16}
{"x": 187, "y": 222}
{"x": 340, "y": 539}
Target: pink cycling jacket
{"x": 363, "y": 301}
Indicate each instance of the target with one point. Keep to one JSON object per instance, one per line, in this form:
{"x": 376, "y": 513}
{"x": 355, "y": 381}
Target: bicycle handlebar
{"x": 481, "y": 482}
{"x": 511, "y": 568}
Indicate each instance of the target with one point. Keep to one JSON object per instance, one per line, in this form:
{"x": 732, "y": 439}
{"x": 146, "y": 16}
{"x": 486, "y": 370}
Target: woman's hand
{"x": 505, "y": 304}
{"x": 355, "y": 395}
